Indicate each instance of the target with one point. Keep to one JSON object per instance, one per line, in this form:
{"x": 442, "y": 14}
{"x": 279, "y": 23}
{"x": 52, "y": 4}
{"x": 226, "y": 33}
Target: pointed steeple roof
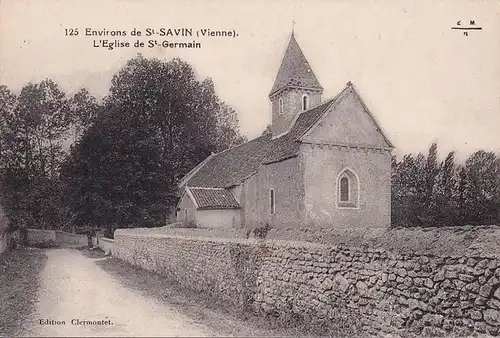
{"x": 295, "y": 70}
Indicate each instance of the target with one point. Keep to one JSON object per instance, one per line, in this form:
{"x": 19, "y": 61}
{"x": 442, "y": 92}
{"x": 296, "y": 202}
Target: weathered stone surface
{"x": 461, "y": 331}
{"x": 341, "y": 283}
{"x": 439, "y": 276}
{"x": 452, "y": 272}
{"x": 362, "y": 288}
{"x": 476, "y": 315}
{"x": 429, "y": 283}
{"x": 492, "y": 330}
{"x": 466, "y": 278}
{"x": 327, "y": 284}
{"x": 429, "y": 331}
{"x": 471, "y": 262}
{"x": 480, "y": 327}
{"x": 492, "y": 317}
{"x": 448, "y": 324}
{"x": 494, "y": 303}
{"x": 485, "y": 290}
{"x": 473, "y": 287}
{"x": 482, "y": 264}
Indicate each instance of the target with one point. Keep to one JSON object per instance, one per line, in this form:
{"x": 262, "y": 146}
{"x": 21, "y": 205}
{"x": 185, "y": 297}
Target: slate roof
{"x": 232, "y": 166}
{"x": 213, "y": 198}
{"x": 295, "y": 70}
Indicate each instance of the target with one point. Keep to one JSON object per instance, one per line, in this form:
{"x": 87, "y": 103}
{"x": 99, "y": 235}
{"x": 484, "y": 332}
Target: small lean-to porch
{"x": 208, "y": 208}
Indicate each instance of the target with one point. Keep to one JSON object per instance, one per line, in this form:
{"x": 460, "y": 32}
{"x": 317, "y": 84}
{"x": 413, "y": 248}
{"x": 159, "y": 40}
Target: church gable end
{"x": 347, "y": 122}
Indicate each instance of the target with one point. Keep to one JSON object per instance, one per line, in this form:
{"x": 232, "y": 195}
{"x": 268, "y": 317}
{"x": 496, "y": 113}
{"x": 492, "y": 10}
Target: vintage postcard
{"x": 249, "y": 168}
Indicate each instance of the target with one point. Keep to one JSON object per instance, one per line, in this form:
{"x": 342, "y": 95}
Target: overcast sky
{"x": 422, "y": 80}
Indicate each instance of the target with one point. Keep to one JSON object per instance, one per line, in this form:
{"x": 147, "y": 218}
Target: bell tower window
{"x": 305, "y": 102}
{"x": 280, "y": 106}
{"x": 272, "y": 202}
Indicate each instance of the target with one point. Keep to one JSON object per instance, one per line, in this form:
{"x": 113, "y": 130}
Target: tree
{"x": 42, "y": 119}
{"x": 7, "y": 105}
{"x": 112, "y": 175}
{"x": 83, "y": 109}
{"x": 481, "y": 188}
{"x": 226, "y": 130}
{"x": 425, "y": 193}
{"x": 406, "y": 183}
{"x": 158, "y": 122}
{"x": 34, "y": 125}
{"x": 446, "y": 211}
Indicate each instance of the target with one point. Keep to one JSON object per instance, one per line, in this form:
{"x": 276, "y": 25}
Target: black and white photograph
{"x": 279, "y": 168}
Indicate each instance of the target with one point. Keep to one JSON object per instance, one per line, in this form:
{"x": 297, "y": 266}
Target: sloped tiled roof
{"x": 295, "y": 70}
{"x": 232, "y": 166}
{"x": 213, "y": 198}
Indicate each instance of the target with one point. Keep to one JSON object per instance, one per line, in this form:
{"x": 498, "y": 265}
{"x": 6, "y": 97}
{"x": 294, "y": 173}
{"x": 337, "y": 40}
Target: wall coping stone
{"x": 471, "y": 241}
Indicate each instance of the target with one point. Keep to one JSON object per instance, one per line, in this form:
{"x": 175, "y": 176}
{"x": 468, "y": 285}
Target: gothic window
{"x": 280, "y": 105}
{"x": 344, "y": 189}
{"x": 348, "y": 189}
{"x": 272, "y": 201}
{"x": 305, "y": 102}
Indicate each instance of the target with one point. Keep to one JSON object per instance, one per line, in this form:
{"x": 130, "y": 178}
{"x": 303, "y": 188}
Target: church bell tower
{"x": 295, "y": 89}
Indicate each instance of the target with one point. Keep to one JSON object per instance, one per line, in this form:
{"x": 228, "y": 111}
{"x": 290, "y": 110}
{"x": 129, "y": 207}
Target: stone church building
{"x": 325, "y": 163}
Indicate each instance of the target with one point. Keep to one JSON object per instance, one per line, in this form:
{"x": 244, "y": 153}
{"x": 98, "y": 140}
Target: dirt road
{"x": 75, "y": 291}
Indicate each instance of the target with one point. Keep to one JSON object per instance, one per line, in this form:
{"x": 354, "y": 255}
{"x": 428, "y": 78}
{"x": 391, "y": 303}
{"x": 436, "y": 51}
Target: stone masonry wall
{"x": 348, "y": 286}
{"x": 39, "y": 237}
{"x": 49, "y": 238}
{"x": 71, "y": 239}
{"x": 106, "y": 244}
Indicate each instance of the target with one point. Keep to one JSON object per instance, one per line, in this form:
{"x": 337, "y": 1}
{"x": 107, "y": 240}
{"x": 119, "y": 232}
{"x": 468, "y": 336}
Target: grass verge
{"x": 92, "y": 252}
{"x": 19, "y": 283}
{"x": 204, "y": 310}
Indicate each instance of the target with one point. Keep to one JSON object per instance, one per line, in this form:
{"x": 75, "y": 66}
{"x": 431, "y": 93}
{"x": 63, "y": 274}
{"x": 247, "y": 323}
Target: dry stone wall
{"x": 71, "y": 239}
{"x": 50, "y": 238}
{"x": 347, "y": 287}
{"x": 39, "y": 237}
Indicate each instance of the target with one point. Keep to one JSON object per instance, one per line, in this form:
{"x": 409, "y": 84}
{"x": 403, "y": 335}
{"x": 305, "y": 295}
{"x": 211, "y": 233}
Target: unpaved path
{"x": 74, "y": 287}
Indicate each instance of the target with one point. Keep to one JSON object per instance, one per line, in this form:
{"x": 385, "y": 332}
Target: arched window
{"x": 348, "y": 189}
{"x": 344, "y": 189}
{"x": 305, "y": 102}
{"x": 272, "y": 201}
{"x": 280, "y": 106}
